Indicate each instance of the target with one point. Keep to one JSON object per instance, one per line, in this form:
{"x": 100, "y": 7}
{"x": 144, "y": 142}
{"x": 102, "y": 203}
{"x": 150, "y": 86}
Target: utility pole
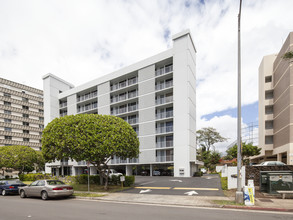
{"x": 239, "y": 192}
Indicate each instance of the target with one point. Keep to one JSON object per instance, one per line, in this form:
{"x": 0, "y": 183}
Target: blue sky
{"x": 83, "y": 40}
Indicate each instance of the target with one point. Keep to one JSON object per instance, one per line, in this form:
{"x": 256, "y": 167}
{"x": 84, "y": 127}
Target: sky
{"x": 81, "y": 40}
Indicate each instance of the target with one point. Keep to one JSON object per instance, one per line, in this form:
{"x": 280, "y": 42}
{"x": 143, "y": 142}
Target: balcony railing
{"x": 124, "y": 110}
{"x": 164, "y": 158}
{"x": 132, "y": 121}
{"x": 165, "y": 85}
{"x": 165, "y": 100}
{"x": 164, "y": 129}
{"x": 87, "y": 96}
{"x": 119, "y": 160}
{"x": 63, "y": 105}
{"x": 164, "y": 70}
{"x": 163, "y": 144}
{"x": 82, "y": 163}
{"x": 124, "y": 97}
{"x": 124, "y": 84}
{"x": 63, "y": 114}
{"x": 161, "y": 115}
{"x": 87, "y": 107}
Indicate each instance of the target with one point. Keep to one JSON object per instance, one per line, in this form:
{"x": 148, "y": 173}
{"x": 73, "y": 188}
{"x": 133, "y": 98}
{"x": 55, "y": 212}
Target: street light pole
{"x": 239, "y": 192}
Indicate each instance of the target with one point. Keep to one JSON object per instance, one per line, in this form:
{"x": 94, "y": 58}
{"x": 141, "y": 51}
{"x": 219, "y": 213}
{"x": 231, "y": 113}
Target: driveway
{"x": 207, "y": 185}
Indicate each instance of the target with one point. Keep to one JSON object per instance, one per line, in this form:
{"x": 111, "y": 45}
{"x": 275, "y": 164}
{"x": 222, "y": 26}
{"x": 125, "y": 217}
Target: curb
{"x": 257, "y": 208}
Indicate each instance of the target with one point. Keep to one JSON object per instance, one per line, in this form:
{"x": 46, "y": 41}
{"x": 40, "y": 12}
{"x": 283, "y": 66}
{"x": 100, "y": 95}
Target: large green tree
{"x": 20, "y": 158}
{"x": 90, "y": 137}
{"x": 207, "y": 137}
{"x": 248, "y": 150}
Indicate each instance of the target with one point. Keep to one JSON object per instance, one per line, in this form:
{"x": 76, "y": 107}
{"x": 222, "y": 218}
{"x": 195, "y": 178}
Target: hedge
{"x": 34, "y": 176}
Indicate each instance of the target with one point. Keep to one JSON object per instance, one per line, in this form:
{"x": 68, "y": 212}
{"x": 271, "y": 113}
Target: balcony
{"x": 124, "y": 84}
{"x": 162, "y": 115}
{"x": 63, "y": 105}
{"x": 165, "y": 100}
{"x": 124, "y": 97}
{"x": 87, "y": 96}
{"x": 164, "y": 144}
{"x": 82, "y": 163}
{"x": 164, "y": 158}
{"x": 121, "y": 161}
{"x": 63, "y": 114}
{"x": 85, "y": 108}
{"x": 164, "y": 70}
{"x": 124, "y": 110}
{"x": 166, "y": 129}
{"x": 164, "y": 85}
{"x": 132, "y": 121}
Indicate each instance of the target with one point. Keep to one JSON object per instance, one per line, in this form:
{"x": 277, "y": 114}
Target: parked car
{"x": 156, "y": 173}
{"x": 271, "y": 163}
{"x": 144, "y": 173}
{"x": 113, "y": 173}
{"x": 46, "y": 189}
{"x": 10, "y": 186}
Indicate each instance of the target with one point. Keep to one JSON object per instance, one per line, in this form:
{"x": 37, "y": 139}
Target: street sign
{"x": 122, "y": 178}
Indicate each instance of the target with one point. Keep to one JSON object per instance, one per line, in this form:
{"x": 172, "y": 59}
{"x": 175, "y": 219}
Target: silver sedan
{"x": 46, "y": 189}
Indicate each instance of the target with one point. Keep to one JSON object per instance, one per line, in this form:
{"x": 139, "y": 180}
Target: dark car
{"x": 10, "y": 186}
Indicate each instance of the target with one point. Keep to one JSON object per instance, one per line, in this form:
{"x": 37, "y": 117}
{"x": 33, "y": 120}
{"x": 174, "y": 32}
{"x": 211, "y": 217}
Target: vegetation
{"x": 34, "y": 176}
{"x": 88, "y": 194}
{"x": 288, "y": 55}
{"x": 226, "y": 202}
{"x": 248, "y": 150}
{"x": 206, "y": 138}
{"x": 90, "y": 137}
{"x": 20, "y": 158}
{"x": 224, "y": 182}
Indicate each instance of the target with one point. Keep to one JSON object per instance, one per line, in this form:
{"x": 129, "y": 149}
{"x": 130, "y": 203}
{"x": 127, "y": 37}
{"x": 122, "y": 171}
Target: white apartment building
{"x": 155, "y": 96}
{"x": 21, "y": 115}
{"x": 276, "y": 106}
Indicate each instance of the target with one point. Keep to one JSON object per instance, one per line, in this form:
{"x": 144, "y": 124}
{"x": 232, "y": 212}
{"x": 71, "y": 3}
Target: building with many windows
{"x": 21, "y": 115}
{"x": 155, "y": 96}
{"x": 276, "y": 106}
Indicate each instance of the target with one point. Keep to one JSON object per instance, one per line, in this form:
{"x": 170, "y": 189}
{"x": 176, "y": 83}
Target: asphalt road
{"x": 207, "y": 185}
{"x": 14, "y": 208}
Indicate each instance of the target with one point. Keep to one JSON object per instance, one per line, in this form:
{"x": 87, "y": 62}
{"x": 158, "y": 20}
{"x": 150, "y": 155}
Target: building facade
{"x": 155, "y": 96}
{"x": 276, "y": 106}
{"x": 21, "y": 115}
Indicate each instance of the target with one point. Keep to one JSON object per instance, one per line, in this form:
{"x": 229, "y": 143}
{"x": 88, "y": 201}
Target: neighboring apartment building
{"x": 21, "y": 115}
{"x": 276, "y": 106}
{"x": 155, "y": 96}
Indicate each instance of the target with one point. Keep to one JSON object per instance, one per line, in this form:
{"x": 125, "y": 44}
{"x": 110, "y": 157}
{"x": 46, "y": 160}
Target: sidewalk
{"x": 268, "y": 204}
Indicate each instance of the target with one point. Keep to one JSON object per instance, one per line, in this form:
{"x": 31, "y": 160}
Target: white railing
{"x": 87, "y": 96}
{"x": 63, "y": 114}
{"x": 132, "y": 121}
{"x": 87, "y": 107}
{"x": 119, "y": 160}
{"x": 63, "y": 104}
{"x": 164, "y": 85}
{"x": 164, "y": 158}
{"x": 164, "y": 129}
{"x": 119, "y": 98}
{"x": 124, "y": 110}
{"x": 164, "y": 70}
{"x": 161, "y": 115}
{"x": 123, "y": 84}
{"x": 160, "y": 101}
{"x": 163, "y": 144}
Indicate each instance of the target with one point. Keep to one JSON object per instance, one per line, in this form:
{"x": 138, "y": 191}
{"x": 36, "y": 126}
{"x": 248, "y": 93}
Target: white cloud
{"x": 83, "y": 40}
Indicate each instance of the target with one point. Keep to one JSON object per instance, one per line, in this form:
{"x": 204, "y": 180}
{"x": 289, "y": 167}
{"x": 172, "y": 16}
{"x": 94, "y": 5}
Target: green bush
{"x": 129, "y": 180}
{"x": 224, "y": 182}
{"x": 34, "y": 176}
{"x": 197, "y": 174}
{"x": 83, "y": 179}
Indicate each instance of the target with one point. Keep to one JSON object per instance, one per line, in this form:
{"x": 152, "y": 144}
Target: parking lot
{"x": 207, "y": 185}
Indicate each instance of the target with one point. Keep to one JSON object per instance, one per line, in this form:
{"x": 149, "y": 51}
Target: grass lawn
{"x": 97, "y": 188}
{"x": 226, "y": 202}
{"x": 88, "y": 194}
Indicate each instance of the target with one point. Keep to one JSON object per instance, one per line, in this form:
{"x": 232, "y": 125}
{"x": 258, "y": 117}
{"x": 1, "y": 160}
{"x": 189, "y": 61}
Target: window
{"x": 268, "y": 79}
{"x": 25, "y": 123}
{"x": 26, "y": 131}
{"x": 8, "y": 137}
{"x": 7, "y": 95}
{"x": 26, "y": 139}
{"x": 25, "y": 107}
{"x": 41, "y": 103}
{"x": 41, "y": 110}
{"x": 7, "y": 120}
{"x": 7, "y": 112}
{"x": 40, "y": 133}
{"x": 41, "y": 126}
{"x": 24, "y": 99}
{"x": 25, "y": 115}
{"x": 7, "y": 129}
{"x": 41, "y": 118}
{"x": 7, "y": 103}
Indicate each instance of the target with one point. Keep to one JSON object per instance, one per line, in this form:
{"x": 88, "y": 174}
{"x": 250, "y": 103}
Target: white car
{"x": 271, "y": 163}
{"x": 113, "y": 173}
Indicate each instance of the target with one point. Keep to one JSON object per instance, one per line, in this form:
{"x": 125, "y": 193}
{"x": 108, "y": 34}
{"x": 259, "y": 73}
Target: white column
{"x": 129, "y": 170}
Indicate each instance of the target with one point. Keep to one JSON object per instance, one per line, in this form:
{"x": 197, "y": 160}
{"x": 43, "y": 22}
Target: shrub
{"x": 224, "y": 182}
{"x": 197, "y": 174}
{"x": 34, "y": 176}
{"x": 83, "y": 179}
{"x": 129, "y": 180}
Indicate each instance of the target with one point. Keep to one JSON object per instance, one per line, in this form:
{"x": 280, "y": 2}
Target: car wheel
{"x": 3, "y": 193}
{"x": 22, "y": 194}
{"x": 44, "y": 195}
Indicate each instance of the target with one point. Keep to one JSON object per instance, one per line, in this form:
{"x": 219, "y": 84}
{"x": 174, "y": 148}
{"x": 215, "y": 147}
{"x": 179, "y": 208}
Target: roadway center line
{"x": 146, "y": 187}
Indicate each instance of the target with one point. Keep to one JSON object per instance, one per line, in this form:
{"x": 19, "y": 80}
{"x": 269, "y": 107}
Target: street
{"x": 14, "y": 208}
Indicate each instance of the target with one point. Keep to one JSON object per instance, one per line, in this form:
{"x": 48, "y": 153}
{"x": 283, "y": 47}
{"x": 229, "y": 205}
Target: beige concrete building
{"x": 21, "y": 115}
{"x": 276, "y": 106}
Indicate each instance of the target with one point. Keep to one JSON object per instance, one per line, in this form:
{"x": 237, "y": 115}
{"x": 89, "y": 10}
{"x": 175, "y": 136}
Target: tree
{"x": 210, "y": 158}
{"x": 20, "y": 158}
{"x": 90, "y": 137}
{"x": 248, "y": 150}
{"x": 207, "y": 137}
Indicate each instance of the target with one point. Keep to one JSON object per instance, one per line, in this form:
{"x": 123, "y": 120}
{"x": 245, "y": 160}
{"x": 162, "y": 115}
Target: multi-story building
{"x": 21, "y": 115}
{"x": 276, "y": 106}
{"x": 155, "y": 96}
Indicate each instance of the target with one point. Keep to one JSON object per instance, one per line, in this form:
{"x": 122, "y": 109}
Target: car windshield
{"x": 55, "y": 182}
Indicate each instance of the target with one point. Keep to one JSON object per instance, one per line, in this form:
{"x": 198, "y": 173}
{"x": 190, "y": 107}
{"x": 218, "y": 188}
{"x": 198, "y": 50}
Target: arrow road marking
{"x": 145, "y": 191}
{"x": 180, "y": 181}
{"x": 190, "y": 193}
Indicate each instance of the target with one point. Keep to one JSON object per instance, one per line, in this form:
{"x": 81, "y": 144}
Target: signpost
{"x": 122, "y": 179}
{"x": 88, "y": 177}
